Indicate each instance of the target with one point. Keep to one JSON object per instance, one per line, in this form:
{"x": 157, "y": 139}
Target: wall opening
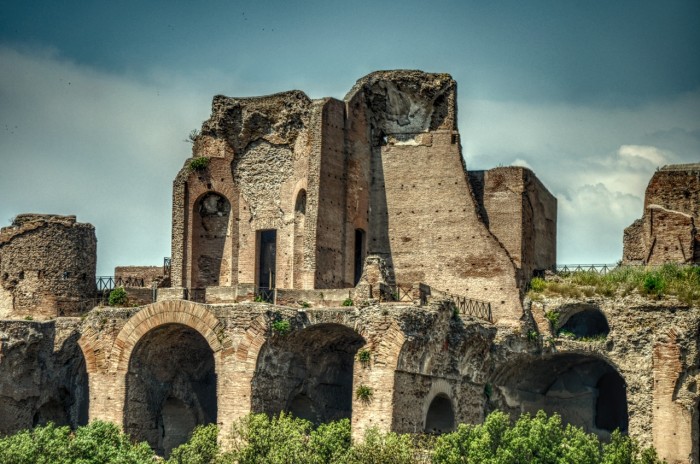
{"x": 611, "y": 405}
{"x": 587, "y": 323}
{"x": 266, "y": 265}
{"x": 440, "y": 417}
{"x": 308, "y": 373}
{"x": 299, "y": 227}
{"x": 359, "y": 254}
{"x": 211, "y": 226}
{"x": 170, "y": 387}
{"x": 585, "y": 390}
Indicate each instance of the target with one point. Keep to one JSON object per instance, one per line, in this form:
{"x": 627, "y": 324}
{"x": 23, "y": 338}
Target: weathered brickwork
{"x": 47, "y": 266}
{"x": 363, "y": 202}
{"x": 668, "y": 231}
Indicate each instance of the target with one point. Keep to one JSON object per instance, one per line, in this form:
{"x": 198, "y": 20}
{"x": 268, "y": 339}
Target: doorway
{"x": 266, "y": 264}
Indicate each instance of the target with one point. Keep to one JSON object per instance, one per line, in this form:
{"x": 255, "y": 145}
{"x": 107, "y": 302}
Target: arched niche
{"x": 170, "y": 387}
{"x": 211, "y": 225}
{"x": 308, "y": 373}
{"x": 587, "y": 322}
{"x": 440, "y": 417}
{"x": 585, "y": 390}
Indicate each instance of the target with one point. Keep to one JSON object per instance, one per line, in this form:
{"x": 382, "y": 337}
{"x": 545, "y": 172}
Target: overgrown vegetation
{"x": 364, "y": 356}
{"x": 281, "y": 327}
{"x": 682, "y": 282}
{"x": 363, "y": 393}
{"x": 118, "y": 297}
{"x": 348, "y": 302}
{"x": 283, "y": 439}
{"x": 199, "y": 164}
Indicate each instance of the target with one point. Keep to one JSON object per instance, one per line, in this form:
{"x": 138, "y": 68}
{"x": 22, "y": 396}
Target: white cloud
{"x": 645, "y": 154}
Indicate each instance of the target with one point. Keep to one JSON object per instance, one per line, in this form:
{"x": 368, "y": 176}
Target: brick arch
{"x": 192, "y": 315}
{"x": 94, "y": 357}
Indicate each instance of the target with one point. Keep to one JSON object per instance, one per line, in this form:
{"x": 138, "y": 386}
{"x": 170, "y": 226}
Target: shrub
{"x": 348, "y": 302}
{"x": 384, "y": 448}
{"x": 331, "y": 442}
{"x": 653, "y": 284}
{"x": 97, "y": 443}
{"x": 552, "y": 317}
{"x": 199, "y": 163}
{"x": 363, "y": 393}
{"x": 281, "y": 327}
{"x": 201, "y": 448}
{"x": 538, "y": 284}
{"x": 118, "y": 297}
{"x": 538, "y": 439}
{"x": 258, "y": 438}
{"x": 364, "y": 356}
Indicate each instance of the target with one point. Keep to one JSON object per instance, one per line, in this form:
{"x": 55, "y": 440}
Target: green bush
{"x": 281, "y": 327}
{"x": 97, "y": 443}
{"x": 118, "y": 297}
{"x": 258, "y": 438}
{"x": 364, "y": 356}
{"x": 363, "y": 393}
{"x": 537, "y": 284}
{"x": 348, "y": 302}
{"x": 201, "y": 448}
{"x": 539, "y": 439}
{"x": 382, "y": 448}
{"x": 199, "y": 164}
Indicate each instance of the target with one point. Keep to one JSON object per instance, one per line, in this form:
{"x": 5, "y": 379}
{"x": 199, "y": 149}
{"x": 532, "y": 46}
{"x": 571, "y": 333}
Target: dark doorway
{"x": 359, "y": 253}
{"x": 440, "y": 417}
{"x": 266, "y": 263}
{"x": 611, "y": 404}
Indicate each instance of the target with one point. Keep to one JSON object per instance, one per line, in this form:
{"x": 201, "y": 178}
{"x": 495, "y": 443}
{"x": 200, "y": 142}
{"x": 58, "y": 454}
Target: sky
{"x": 97, "y": 97}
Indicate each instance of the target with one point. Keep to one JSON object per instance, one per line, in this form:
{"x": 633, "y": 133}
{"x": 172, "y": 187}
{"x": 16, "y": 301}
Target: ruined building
{"x": 297, "y": 192}
{"x": 322, "y": 248}
{"x": 669, "y": 230}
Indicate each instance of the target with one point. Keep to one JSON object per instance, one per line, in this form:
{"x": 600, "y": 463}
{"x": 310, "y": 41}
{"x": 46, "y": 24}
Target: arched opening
{"x": 308, "y": 373}
{"x": 211, "y": 225}
{"x": 589, "y": 323}
{"x": 170, "y": 387}
{"x": 611, "y": 404}
{"x": 585, "y": 390}
{"x": 359, "y": 254}
{"x": 299, "y": 228}
{"x": 440, "y": 417}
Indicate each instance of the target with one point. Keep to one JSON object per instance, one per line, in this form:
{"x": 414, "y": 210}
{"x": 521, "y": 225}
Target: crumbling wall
{"x": 47, "y": 266}
{"x": 149, "y": 274}
{"x": 668, "y": 230}
{"x": 423, "y": 218}
{"x": 521, "y": 213}
{"x": 42, "y": 375}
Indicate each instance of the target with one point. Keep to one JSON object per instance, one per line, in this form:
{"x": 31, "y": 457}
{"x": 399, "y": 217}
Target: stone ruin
{"x": 668, "y": 230}
{"x": 320, "y": 246}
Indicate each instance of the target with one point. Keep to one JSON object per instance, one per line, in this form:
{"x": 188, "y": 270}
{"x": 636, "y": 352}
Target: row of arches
{"x": 171, "y": 384}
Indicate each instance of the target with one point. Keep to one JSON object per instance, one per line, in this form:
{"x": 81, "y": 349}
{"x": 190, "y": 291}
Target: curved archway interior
{"x": 440, "y": 417}
{"x": 211, "y": 226}
{"x": 587, "y": 323}
{"x": 584, "y": 390}
{"x": 170, "y": 387}
{"x": 308, "y": 373}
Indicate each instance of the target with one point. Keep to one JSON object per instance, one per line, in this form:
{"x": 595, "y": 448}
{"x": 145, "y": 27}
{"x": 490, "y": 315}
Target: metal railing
{"x": 265, "y": 294}
{"x": 597, "y": 268}
{"x": 166, "y": 266}
{"x": 109, "y": 283}
{"x": 470, "y": 307}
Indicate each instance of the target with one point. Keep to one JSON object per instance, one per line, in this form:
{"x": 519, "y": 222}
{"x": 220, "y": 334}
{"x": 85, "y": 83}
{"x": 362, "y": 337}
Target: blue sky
{"x": 96, "y": 98}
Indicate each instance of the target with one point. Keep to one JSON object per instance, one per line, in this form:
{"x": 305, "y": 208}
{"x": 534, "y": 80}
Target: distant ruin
{"x": 669, "y": 228}
{"x": 325, "y": 247}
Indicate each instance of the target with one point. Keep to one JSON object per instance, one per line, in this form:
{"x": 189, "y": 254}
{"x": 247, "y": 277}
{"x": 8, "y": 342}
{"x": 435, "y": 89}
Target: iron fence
{"x": 166, "y": 266}
{"x": 597, "y": 268}
{"x": 470, "y": 307}
{"x": 265, "y": 294}
{"x": 109, "y": 283}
